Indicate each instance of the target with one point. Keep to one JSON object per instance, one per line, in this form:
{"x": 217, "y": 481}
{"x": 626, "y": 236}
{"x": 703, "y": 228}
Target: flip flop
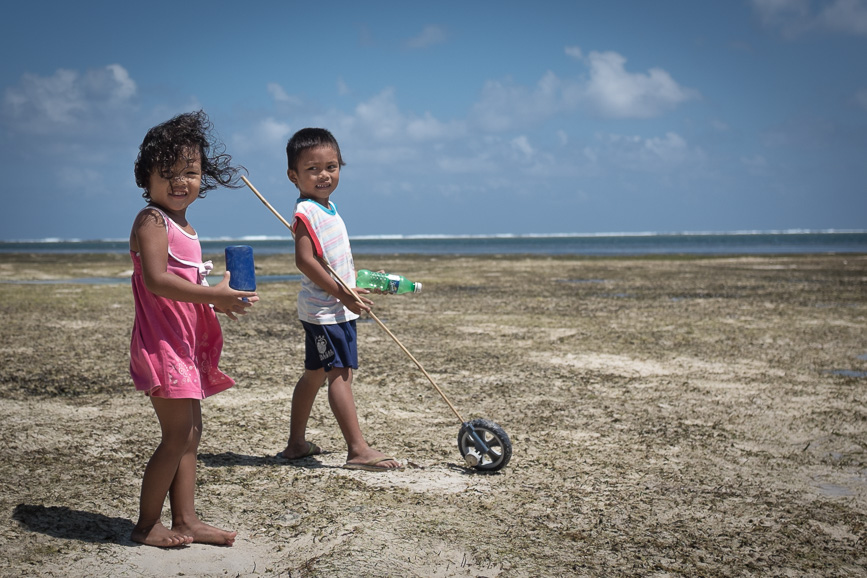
{"x": 371, "y": 465}
{"x": 312, "y": 450}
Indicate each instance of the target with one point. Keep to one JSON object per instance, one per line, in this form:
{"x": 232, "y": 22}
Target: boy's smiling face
{"x": 317, "y": 173}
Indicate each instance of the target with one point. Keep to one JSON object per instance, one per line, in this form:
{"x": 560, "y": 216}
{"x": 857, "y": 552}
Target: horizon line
{"x": 432, "y": 236}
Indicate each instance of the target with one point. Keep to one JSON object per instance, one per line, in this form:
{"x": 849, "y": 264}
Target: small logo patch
{"x": 322, "y": 347}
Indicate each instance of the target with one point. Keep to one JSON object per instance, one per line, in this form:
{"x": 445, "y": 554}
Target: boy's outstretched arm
{"x": 309, "y": 265}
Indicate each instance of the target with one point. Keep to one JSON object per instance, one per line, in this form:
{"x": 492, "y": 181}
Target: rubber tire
{"x": 498, "y": 442}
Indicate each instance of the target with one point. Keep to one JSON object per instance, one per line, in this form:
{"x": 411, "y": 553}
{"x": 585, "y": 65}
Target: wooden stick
{"x": 354, "y": 294}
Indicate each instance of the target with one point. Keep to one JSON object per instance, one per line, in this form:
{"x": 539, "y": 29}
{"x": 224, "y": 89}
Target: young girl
{"x": 176, "y": 338}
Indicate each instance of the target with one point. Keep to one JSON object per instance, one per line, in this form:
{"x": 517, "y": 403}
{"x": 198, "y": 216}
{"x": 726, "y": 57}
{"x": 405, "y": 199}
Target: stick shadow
{"x": 227, "y": 459}
{"x": 64, "y": 522}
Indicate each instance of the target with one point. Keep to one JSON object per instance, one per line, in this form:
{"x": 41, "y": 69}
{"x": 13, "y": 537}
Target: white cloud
{"x": 773, "y": 10}
{"x": 378, "y": 133}
{"x": 56, "y": 99}
{"x": 672, "y": 148}
{"x": 609, "y": 91}
{"x": 574, "y": 52}
{"x": 429, "y": 128}
{"x": 120, "y": 87}
{"x": 367, "y": 156}
{"x": 755, "y": 161}
{"x": 274, "y": 130}
{"x": 861, "y": 98}
{"x": 429, "y": 36}
{"x": 848, "y": 16}
{"x": 283, "y": 99}
{"x": 381, "y": 117}
{"x": 468, "y": 164}
{"x": 67, "y": 100}
{"x": 613, "y": 92}
{"x": 89, "y": 182}
{"x": 793, "y": 17}
{"x": 522, "y": 145}
{"x": 268, "y": 136}
{"x": 504, "y": 105}
{"x": 277, "y": 93}
{"x": 756, "y": 165}
{"x": 653, "y": 155}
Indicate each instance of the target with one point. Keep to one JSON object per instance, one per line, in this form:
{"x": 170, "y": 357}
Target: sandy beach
{"x": 670, "y": 416}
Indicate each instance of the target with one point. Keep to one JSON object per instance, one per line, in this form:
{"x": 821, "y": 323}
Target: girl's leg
{"x": 342, "y": 404}
{"x": 176, "y": 423}
{"x": 302, "y": 404}
{"x": 183, "y": 490}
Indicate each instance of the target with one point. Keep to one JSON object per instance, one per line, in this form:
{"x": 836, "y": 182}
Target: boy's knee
{"x": 314, "y": 376}
{"x": 339, "y": 374}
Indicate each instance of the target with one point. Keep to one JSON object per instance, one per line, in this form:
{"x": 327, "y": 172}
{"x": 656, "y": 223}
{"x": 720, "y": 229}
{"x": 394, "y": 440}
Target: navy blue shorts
{"x": 330, "y": 346}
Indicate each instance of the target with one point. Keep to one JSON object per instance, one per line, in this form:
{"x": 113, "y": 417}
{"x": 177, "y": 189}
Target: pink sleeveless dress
{"x": 175, "y": 346}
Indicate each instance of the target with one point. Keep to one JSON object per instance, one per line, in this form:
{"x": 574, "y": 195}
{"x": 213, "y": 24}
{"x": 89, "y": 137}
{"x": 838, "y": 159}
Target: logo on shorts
{"x": 322, "y": 347}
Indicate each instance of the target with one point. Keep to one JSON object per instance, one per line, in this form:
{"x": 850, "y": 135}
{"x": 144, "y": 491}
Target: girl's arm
{"x": 309, "y": 265}
{"x": 149, "y": 233}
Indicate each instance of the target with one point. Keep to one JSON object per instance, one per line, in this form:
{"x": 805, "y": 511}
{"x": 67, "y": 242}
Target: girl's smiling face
{"x": 317, "y": 173}
{"x": 178, "y": 192}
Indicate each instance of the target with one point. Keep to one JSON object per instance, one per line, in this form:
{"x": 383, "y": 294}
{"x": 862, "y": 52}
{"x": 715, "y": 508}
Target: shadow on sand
{"x": 63, "y": 522}
{"x": 227, "y": 459}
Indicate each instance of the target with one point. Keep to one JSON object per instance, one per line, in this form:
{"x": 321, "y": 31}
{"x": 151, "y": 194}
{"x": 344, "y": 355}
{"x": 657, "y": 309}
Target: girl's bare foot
{"x": 160, "y": 536}
{"x": 205, "y": 534}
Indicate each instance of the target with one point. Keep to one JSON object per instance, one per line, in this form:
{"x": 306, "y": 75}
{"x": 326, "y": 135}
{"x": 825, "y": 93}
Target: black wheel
{"x": 499, "y": 446}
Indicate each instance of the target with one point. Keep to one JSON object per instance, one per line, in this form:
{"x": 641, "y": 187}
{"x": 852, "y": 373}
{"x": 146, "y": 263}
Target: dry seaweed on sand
{"x": 670, "y": 417}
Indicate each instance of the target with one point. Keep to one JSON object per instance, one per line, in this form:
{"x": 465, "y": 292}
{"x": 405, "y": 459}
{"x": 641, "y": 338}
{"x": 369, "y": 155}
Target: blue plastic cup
{"x": 239, "y": 262}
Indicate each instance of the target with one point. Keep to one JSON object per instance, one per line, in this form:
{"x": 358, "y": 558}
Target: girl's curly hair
{"x": 166, "y": 143}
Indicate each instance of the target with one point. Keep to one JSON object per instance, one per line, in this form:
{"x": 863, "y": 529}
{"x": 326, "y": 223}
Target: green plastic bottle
{"x": 386, "y": 282}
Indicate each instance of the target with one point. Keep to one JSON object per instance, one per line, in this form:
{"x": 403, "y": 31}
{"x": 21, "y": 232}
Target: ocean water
{"x": 613, "y": 244}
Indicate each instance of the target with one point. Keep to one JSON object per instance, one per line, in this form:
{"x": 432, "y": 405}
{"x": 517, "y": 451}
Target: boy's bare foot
{"x": 160, "y": 536}
{"x": 303, "y": 450}
{"x": 371, "y": 460}
{"x": 205, "y": 534}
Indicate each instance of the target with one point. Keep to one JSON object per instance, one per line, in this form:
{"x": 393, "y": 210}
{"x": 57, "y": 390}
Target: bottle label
{"x": 393, "y": 283}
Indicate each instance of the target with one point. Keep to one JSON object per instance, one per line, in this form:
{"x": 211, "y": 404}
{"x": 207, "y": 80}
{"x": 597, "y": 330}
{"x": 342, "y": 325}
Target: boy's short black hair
{"x": 166, "y": 143}
{"x": 310, "y": 138}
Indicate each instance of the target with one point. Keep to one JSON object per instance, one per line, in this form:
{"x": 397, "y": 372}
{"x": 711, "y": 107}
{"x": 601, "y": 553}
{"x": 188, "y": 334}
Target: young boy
{"x": 326, "y": 310}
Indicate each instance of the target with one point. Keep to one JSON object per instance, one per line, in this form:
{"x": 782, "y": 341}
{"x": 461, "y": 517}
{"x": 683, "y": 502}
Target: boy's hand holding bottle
{"x": 355, "y": 303}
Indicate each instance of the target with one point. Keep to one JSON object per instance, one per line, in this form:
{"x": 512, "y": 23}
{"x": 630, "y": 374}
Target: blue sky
{"x": 453, "y": 117}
